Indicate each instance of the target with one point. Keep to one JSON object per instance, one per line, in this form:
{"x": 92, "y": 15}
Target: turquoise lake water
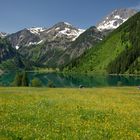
{"x": 63, "y": 80}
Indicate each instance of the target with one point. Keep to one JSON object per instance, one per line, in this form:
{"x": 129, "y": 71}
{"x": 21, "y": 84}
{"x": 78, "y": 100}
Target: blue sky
{"x": 19, "y": 14}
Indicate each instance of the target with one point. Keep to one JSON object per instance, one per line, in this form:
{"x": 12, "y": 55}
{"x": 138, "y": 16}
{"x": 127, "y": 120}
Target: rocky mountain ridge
{"x": 115, "y": 19}
{"x": 37, "y": 35}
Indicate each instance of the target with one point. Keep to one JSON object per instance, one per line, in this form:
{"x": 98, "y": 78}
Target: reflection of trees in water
{"x": 113, "y": 80}
{"x": 74, "y": 80}
{"x": 67, "y": 80}
{"x": 7, "y": 78}
{"x": 125, "y": 80}
{"x": 87, "y": 80}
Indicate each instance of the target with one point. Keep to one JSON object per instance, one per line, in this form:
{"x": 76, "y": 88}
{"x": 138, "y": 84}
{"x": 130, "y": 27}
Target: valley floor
{"x": 71, "y": 114}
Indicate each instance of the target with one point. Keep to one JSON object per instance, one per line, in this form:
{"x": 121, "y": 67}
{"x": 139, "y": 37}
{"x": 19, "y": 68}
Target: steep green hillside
{"x": 121, "y": 47}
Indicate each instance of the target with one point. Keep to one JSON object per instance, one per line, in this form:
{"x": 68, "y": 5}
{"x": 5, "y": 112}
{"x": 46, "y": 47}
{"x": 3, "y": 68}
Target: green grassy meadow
{"x": 70, "y": 114}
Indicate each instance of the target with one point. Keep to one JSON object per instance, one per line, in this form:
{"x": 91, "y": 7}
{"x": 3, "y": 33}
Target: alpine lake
{"x": 74, "y": 80}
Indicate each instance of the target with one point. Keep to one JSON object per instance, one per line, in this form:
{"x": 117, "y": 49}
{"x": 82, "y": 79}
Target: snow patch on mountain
{"x": 70, "y": 33}
{"x": 2, "y": 34}
{"x": 35, "y": 43}
{"x": 17, "y": 47}
{"x": 58, "y": 28}
{"x": 108, "y": 25}
{"x": 111, "y": 24}
{"x": 36, "y": 30}
{"x": 80, "y": 31}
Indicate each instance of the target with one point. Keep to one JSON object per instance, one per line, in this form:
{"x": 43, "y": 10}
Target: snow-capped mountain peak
{"x": 65, "y": 29}
{"x": 115, "y": 19}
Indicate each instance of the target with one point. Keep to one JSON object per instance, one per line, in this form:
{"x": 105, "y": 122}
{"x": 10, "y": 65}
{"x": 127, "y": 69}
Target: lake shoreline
{"x": 64, "y": 80}
{"x": 90, "y": 74}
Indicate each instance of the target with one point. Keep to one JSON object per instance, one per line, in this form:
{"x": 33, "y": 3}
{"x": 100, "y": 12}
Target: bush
{"x": 25, "y": 81}
{"x": 18, "y": 80}
{"x": 36, "y": 83}
{"x": 119, "y": 83}
{"x": 50, "y": 84}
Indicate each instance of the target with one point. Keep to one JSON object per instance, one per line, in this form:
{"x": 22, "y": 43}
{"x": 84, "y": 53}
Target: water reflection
{"x": 63, "y": 80}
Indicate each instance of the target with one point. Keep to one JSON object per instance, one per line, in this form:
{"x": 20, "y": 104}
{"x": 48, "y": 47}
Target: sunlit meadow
{"x": 71, "y": 114}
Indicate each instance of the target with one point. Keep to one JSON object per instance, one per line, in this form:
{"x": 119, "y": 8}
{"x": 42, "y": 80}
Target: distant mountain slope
{"x": 120, "y": 50}
{"x": 9, "y": 58}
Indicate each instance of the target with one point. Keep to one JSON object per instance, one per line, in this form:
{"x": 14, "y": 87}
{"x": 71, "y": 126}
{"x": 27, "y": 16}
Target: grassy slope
{"x": 98, "y": 58}
{"x": 98, "y": 113}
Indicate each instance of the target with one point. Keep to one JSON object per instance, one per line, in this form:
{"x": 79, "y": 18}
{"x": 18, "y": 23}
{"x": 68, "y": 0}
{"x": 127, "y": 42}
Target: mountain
{"x": 38, "y": 35}
{"x": 3, "y": 34}
{"x": 9, "y": 58}
{"x": 23, "y": 38}
{"x": 44, "y": 46}
{"x": 86, "y": 40}
{"x": 6, "y": 51}
{"x": 118, "y": 53}
{"x": 94, "y": 35}
{"x": 115, "y": 19}
{"x": 62, "y": 43}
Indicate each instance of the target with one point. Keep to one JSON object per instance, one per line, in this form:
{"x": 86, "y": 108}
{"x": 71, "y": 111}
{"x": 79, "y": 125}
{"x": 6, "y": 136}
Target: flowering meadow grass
{"x": 70, "y": 114}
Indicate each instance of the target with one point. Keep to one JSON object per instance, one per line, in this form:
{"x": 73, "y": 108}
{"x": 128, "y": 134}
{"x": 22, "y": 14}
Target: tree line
{"x": 22, "y": 80}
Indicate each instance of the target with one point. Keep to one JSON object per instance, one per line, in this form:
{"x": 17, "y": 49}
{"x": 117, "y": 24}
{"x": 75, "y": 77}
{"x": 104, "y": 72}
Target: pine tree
{"x": 25, "y": 81}
{"x": 18, "y": 79}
